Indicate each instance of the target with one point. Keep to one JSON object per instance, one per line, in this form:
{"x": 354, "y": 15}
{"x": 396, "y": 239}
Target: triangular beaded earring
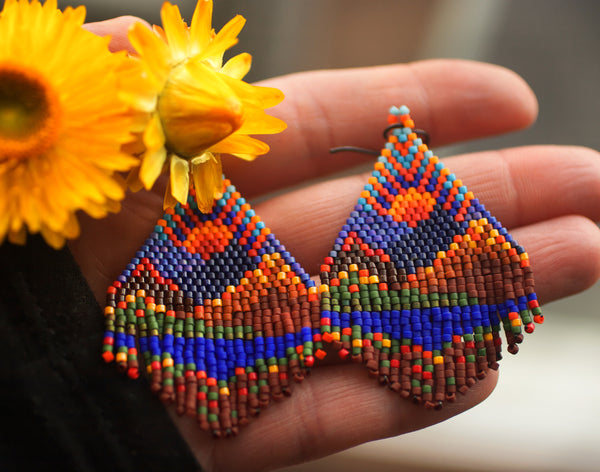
{"x": 417, "y": 286}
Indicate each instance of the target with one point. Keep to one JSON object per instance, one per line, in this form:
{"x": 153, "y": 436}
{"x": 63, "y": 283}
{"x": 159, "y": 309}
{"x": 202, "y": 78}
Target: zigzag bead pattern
{"x": 421, "y": 277}
{"x": 417, "y": 286}
{"x": 223, "y": 315}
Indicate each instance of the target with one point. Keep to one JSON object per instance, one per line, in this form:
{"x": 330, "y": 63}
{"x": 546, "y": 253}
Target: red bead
{"x": 529, "y": 328}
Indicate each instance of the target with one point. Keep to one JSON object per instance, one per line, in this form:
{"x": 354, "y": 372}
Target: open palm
{"x": 547, "y": 196}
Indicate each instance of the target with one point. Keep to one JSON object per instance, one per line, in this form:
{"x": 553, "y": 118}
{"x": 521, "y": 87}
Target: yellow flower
{"x": 197, "y": 106}
{"x": 62, "y": 122}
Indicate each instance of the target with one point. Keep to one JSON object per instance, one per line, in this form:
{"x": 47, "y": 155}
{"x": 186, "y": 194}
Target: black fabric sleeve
{"x": 62, "y": 407}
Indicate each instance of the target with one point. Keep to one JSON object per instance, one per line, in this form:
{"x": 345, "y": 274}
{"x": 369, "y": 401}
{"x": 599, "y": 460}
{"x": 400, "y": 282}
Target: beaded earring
{"x": 417, "y": 286}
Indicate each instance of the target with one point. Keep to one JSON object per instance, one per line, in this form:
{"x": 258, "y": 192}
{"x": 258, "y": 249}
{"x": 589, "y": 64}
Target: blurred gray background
{"x": 529, "y": 423}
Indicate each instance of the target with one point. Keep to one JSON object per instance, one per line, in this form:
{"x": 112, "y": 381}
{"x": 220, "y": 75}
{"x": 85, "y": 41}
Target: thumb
{"x": 117, "y": 28}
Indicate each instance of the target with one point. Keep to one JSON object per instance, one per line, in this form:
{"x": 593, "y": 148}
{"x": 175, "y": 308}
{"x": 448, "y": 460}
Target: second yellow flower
{"x": 196, "y": 106}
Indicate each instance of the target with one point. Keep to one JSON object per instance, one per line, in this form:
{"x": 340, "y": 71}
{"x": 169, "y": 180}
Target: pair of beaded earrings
{"x": 417, "y": 286}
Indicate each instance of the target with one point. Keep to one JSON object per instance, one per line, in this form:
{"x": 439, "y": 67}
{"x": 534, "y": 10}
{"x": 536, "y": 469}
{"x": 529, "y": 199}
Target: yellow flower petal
{"x": 263, "y": 97}
{"x": 200, "y": 30}
{"x": 169, "y": 201}
{"x": 225, "y": 38}
{"x": 180, "y": 179}
{"x": 155, "y": 155}
{"x": 238, "y": 66}
{"x": 207, "y": 181}
{"x": 176, "y": 31}
{"x": 153, "y": 51}
{"x": 240, "y": 144}
{"x": 256, "y": 121}
{"x": 152, "y": 166}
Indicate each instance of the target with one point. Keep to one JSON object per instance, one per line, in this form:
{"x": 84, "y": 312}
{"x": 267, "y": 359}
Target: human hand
{"x": 339, "y": 406}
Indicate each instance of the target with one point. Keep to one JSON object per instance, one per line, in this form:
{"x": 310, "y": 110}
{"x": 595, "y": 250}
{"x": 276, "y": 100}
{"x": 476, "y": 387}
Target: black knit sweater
{"x": 62, "y": 407}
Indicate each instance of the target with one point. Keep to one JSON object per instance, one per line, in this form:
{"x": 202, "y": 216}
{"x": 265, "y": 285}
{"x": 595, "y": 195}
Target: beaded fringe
{"x": 418, "y": 285}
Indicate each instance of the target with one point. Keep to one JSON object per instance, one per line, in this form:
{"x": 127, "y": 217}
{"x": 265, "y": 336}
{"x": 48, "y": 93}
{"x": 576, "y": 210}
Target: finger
{"x": 452, "y": 100}
{"x": 307, "y": 222}
{"x": 518, "y": 186}
{"x": 564, "y": 253}
{"x": 332, "y": 410}
{"x": 117, "y": 28}
{"x": 525, "y": 185}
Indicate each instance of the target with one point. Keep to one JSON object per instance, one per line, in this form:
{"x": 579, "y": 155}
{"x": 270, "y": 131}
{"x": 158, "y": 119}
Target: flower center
{"x": 29, "y": 113}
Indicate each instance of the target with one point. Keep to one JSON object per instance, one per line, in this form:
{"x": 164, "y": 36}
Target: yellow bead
{"x": 224, "y": 391}
{"x": 257, "y": 272}
{"x": 296, "y": 280}
{"x": 488, "y": 336}
{"x": 516, "y": 322}
{"x": 281, "y": 275}
{"x": 275, "y": 256}
{"x": 217, "y": 302}
{"x": 454, "y": 246}
{"x": 285, "y": 268}
{"x": 524, "y": 256}
{"x": 342, "y": 274}
{"x": 335, "y": 335}
{"x": 506, "y": 246}
{"x": 373, "y": 279}
{"x": 494, "y": 233}
{"x": 312, "y": 290}
{"x": 482, "y": 222}
{"x": 441, "y": 255}
{"x": 273, "y": 369}
{"x": 353, "y": 268}
{"x": 438, "y": 359}
{"x": 357, "y": 343}
{"x": 168, "y": 362}
{"x": 323, "y": 288}
{"x": 490, "y": 241}
{"x": 130, "y": 298}
{"x": 363, "y": 280}
{"x": 386, "y": 343}
{"x": 121, "y": 357}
